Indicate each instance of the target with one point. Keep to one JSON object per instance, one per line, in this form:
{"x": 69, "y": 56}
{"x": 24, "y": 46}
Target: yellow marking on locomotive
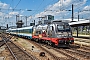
{"x": 40, "y": 36}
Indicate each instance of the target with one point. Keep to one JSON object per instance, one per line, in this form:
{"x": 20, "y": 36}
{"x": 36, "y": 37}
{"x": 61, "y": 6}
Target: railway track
{"x": 17, "y": 52}
{"x": 51, "y": 54}
{"x": 81, "y": 53}
{"x": 85, "y": 47}
{"x": 62, "y": 51}
{"x": 1, "y": 43}
{"x": 73, "y": 53}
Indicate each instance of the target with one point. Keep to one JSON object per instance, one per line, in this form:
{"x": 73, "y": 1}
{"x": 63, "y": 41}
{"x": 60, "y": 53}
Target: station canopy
{"x": 80, "y": 23}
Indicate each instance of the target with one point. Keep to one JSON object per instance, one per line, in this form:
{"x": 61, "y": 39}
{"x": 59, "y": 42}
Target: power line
{"x": 43, "y": 6}
{"x": 48, "y": 3}
{"x": 17, "y": 4}
{"x": 6, "y": 9}
{"x": 14, "y": 8}
{"x": 12, "y": 3}
{"x": 38, "y": 7}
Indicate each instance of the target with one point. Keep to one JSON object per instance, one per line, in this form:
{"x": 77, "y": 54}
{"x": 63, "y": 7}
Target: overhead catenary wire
{"x": 17, "y": 4}
{"x": 48, "y": 4}
{"x": 12, "y": 3}
{"x": 42, "y": 7}
{"x": 6, "y": 9}
{"x": 50, "y": 7}
{"x": 38, "y": 7}
{"x": 11, "y": 9}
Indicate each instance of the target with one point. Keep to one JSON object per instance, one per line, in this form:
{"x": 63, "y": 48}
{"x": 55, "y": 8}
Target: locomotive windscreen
{"x": 60, "y": 27}
{"x": 64, "y": 27}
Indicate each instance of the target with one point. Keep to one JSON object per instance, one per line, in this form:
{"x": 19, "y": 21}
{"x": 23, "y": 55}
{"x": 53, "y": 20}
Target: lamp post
{"x": 78, "y": 15}
{"x": 77, "y": 26}
{"x": 26, "y": 20}
{"x": 72, "y": 13}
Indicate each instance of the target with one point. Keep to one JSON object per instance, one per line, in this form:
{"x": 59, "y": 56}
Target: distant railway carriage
{"x": 55, "y": 34}
{"x": 22, "y": 32}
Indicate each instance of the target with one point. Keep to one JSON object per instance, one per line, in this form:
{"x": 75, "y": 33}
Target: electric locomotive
{"x": 55, "y": 34}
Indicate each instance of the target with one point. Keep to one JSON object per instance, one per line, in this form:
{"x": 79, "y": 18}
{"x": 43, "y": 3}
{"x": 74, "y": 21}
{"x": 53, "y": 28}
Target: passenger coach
{"x": 22, "y": 32}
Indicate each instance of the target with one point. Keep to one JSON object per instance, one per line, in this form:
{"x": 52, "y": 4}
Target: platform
{"x": 82, "y": 41}
{"x": 82, "y": 36}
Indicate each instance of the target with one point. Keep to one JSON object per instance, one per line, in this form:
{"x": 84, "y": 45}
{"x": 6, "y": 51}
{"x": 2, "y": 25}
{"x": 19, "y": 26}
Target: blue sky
{"x": 41, "y": 8}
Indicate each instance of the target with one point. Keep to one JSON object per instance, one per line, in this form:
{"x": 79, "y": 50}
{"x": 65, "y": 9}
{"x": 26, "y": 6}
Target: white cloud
{"x": 85, "y": 12}
{"x": 4, "y": 5}
{"x": 86, "y": 8}
{"x": 62, "y": 5}
{"x": 22, "y": 11}
{"x": 13, "y": 13}
{"x": 4, "y": 13}
{"x": 1, "y": 14}
{"x": 8, "y": 15}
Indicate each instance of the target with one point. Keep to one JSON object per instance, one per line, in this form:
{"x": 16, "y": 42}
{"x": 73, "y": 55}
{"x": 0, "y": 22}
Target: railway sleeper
{"x": 2, "y": 44}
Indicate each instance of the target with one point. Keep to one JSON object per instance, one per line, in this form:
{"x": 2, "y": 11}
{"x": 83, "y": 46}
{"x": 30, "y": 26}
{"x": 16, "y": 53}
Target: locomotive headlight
{"x": 59, "y": 36}
{"x": 69, "y": 34}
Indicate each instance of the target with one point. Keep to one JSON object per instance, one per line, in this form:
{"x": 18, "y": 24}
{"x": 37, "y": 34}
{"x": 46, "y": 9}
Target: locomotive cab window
{"x": 67, "y": 27}
{"x": 60, "y": 27}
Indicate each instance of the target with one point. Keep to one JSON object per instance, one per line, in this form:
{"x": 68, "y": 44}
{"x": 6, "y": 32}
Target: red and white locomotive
{"x": 55, "y": 34}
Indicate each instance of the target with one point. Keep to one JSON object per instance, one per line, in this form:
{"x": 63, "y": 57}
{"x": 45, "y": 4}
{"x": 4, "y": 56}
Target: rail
{"x": 17, "y": 49}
